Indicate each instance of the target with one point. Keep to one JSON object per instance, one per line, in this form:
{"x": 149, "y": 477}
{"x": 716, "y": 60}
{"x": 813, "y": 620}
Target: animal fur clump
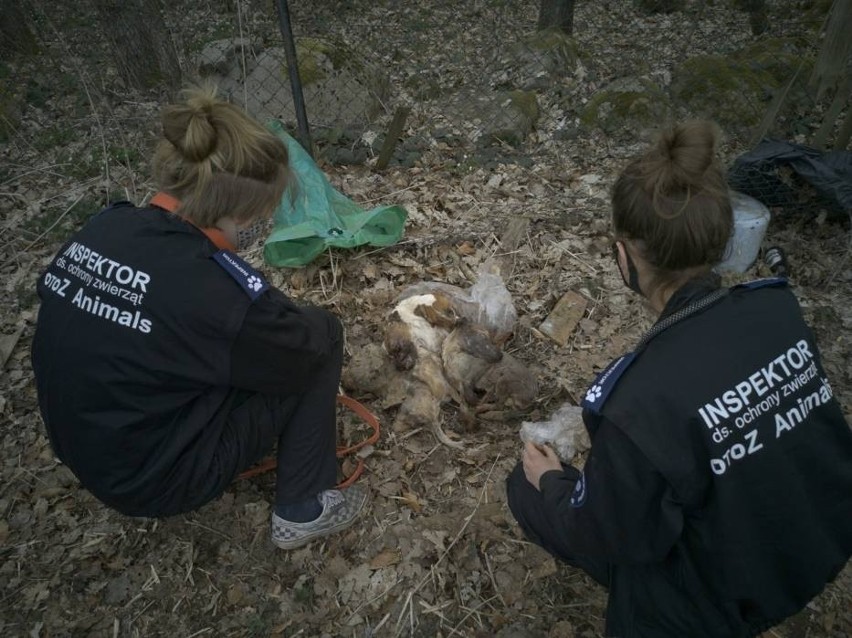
{"x": 442, "y": 346}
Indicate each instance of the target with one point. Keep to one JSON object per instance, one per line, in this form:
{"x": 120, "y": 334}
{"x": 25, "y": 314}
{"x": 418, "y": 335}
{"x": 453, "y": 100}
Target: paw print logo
{"x": 594, "y": 393}
{"x": 254, "y": 283}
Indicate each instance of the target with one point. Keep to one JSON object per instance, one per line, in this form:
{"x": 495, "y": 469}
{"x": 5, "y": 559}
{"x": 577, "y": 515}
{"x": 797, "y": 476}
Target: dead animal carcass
{"x": 443, "y": 344}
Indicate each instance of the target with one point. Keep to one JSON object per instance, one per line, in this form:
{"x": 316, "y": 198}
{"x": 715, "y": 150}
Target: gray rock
{"x": 361, "y": 155}
{"x": 512, "y": 117}
{"x": 533, "y": 63}
{"x": 218, "y": 56}
{"x": 338, "y": 91}
{"x": 410, "y": 158}
{"x": 626, "y": 103}
{"x": 415, "y": 143}
{"x": 502, "y": 117}
{"x": 343, "y": 155}
{"x": 566, "y": 134}
{"x": 723, "y": 88}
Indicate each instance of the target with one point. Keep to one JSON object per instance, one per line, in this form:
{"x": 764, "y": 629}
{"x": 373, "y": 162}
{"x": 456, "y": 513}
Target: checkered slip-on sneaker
{"x": 340, "y": 508}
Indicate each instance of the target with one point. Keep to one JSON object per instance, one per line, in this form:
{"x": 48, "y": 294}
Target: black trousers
{"x": 302, "y": 427}
{"x": 528, "y": 508}
{"x": 658, "y": 600}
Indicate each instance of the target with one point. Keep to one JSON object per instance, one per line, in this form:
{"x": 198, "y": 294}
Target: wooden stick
{"x": 392, "y": 137}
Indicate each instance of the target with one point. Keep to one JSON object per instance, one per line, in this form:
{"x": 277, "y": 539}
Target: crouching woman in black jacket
{"x": 717, "y": 496}
{"x": 165, "y": 364}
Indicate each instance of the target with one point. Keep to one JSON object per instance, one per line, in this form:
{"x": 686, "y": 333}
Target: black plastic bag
{"x": 759, "y": 173}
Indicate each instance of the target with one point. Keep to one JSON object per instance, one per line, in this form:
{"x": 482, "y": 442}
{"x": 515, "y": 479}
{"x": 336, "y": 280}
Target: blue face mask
{"x": 632, "y": 279}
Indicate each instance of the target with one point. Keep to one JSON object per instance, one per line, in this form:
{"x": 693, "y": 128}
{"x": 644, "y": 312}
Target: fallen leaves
{"x": 386, "y": 558}
{"x": 69, "y": 566}
{"x": 466, "y": 248}
{"x": 412, "y": 501}
{"x": 7, "y": 344}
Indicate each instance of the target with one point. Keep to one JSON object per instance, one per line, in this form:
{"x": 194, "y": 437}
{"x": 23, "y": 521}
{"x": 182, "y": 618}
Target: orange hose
{"x": 368, "y": 417}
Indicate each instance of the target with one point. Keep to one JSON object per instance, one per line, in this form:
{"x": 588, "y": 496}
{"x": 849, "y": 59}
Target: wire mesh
{"x": 479, "y": 83}
{"x": 481, "y": 80}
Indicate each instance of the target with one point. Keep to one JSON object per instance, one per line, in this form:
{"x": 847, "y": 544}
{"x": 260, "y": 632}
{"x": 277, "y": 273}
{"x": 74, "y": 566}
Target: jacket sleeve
{"x": 620, "y": 508}
{"x": 281, "y": 344}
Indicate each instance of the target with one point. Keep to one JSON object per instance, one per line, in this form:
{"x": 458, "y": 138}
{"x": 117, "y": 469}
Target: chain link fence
{"x": 450, "y": 73}
{"x": 445, "y": 85}
{"x": 480, "y": 80}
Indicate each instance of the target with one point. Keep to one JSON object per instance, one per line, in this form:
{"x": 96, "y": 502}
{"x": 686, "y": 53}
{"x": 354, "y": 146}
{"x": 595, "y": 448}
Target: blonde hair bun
{"x": 219, "y": 161}
{"x": 189, "y": 126}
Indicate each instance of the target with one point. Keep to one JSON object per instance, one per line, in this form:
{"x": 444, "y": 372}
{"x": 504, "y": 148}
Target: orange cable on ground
{"x": 368, "y": 417}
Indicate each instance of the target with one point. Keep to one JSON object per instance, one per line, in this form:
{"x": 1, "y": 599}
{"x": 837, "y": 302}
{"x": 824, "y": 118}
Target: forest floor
{"x": 438, "y": 553}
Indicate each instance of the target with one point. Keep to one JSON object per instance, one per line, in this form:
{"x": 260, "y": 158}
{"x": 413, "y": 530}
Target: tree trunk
{"x": 143, "y": 49}
{"x": 835, "y": 53}
{"x": 832, "y": 114}
{"x": 16, "y": 37}
{"x": 845, "y": 133}
{"x": 556, "y": 14}
{"x": 757, "y": 17}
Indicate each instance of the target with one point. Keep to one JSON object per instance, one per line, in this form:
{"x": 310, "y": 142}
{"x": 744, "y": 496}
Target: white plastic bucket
{"x": 751, "y": 218}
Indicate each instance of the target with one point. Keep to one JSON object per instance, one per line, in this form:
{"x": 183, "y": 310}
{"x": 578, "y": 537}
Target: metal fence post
{"x": 295, "y": 80}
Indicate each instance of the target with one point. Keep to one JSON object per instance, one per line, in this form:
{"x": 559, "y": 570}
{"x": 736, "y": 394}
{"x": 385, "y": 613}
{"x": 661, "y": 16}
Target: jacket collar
{"x": 691, "y": 291}
{"x": 171, "y": 204}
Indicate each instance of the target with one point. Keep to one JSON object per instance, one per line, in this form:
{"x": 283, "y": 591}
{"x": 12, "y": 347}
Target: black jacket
{"x": 146, "y": 334}
{"x": 719, "y": 483}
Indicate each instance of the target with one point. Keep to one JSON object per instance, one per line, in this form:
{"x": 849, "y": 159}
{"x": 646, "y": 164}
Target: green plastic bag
{"x": 313, "y": 215}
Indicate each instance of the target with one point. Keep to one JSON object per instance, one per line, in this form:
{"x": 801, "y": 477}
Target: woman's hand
{"x": 537, "y": 460}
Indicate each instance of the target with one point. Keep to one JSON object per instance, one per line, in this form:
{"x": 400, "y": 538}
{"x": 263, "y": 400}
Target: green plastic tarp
{"x": 313, "y": 215}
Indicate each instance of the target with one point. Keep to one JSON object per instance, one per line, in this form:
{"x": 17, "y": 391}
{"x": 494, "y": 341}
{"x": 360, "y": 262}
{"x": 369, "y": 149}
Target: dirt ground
{"x": 438, "y": 553}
